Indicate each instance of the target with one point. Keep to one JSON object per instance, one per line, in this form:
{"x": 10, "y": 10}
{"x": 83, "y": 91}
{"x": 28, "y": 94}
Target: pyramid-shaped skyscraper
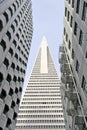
{"x": 41, "y": 107}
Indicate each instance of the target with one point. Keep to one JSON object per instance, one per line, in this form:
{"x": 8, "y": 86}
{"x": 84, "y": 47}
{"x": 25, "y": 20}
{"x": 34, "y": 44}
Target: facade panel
{"x": 15, "y": 41}
{"x": 73, "y": 62}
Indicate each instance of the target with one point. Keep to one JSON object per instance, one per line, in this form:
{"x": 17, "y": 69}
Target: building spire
{"x": 44, "y": 64}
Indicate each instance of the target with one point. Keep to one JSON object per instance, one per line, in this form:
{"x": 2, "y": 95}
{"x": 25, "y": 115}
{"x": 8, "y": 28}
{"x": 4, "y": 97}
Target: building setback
{"x": 73, "y": 59}
{"x": 15, "y": 41}
{"x": 41, "y": 107}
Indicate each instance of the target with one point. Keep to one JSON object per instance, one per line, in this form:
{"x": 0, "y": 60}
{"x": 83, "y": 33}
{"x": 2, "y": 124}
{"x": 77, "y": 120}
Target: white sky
{"x": 48, "y": 22}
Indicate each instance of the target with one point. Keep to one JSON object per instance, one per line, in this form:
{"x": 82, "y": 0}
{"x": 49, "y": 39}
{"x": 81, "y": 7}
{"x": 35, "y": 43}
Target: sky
{"x": 48, "y": 22}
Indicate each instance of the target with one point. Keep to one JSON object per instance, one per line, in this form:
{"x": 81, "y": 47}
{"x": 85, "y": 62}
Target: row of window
{"x": 12, "y": 9}
{"x": 40, "y": 111}
{"x": 69, "y": 18}
{"x": 56, "y": 95}
{"x": 41, "y": 103}
{"x": 84, "y": 10}
{"x": 41, "y": 127}
{"x": 43, "y": 88}
{"x": 40, "y": 116}
{"x": 7, "y": 108}
{"x": 42, "y": 92}
{"x": 71, "y": 2}
{"x": 40, "y": 121}
{"x": 9, "y": 78}
{"x": 81, "y": 38}
{"x": 52, "y": 83}
{"x": 25, "y": 99}
{"x": 25, "y": 107}
{"x": 9, "y": 34}
{"x": 77, "y": 68}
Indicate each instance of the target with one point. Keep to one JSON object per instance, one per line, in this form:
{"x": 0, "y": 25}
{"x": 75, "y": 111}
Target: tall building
{"x": 73, "y": 59}
{"x": 41, "y": 107}
{"x": 15, "y": 41}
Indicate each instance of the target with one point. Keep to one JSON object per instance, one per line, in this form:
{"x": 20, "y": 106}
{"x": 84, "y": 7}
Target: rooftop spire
{"x": 44, "y": 64}
{"x": 44, "y": 41}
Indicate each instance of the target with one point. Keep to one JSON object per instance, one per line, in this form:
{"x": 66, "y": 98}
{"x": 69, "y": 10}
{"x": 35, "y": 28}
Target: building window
{"x": 17, "y": 36}
{"x": 1, "y": 25}
{"x": 66, "y": 37}
{"x": 14, "y": 78}
{"x": 17, "y": 3}
{"x": 69, "y": 1}
{"x": 6, "y": 16}
{"x": 11, "y": 92}
{"x": 16, "y": 56}
{"x": 13, "y": 28}
{"x": 6, "y": 62}
{"x": 69, "y": 45}
{"x": 80, "y": 37}
{"x": 65, "y": 11}
{"x": 8, "y": 122}
{"x": 14, "y": 7}
{"x": 6, "y": 109}
{"x": 12, "y": 104}
{"x": 9, "y": 35}
{"x": 84, "y": 84}
{"x": 86, "y": 55}
{"x": 77, "y": 66}
{"x": 3, "y": 44}
{"x": 78, "y": 5}
{"x": 68, "y": 16}
{"x": 84, "y": 14}
{"x": 3, "y": 94}
{"x": 75, "y": 28}
{"x": 8, "y": 78}
{"x": 72, "y": 3}
{"x": 14, "y": 42}
{"x": 13, "y": 65}
{"x": 72, "y": 54}
{"x": 1, "y": 78}
{"x": 16, "y": 22}
{"x": 10, "y": 11}
{"x": 71, "y": 21}
{"x": 11, "y": 51}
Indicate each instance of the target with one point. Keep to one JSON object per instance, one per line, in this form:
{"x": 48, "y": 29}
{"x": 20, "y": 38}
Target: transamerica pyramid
{"x": 41, "y": 107}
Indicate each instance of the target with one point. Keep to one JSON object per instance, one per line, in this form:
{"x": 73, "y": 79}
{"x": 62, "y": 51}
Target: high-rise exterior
{"x": 73, "y": 59}
{"x": 41, "y": 107}
{"x": 15, "y": 41}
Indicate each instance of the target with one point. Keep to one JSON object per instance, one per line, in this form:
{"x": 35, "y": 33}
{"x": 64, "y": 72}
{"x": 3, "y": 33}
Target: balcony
{"x": 62, "y": 59}
{"x": 72, "y": 97}
{"x": 70, "y": 111}
{"x": 65, "y": 69}
{"x": 69, "y": 79}
{"x": 79, "y": 120}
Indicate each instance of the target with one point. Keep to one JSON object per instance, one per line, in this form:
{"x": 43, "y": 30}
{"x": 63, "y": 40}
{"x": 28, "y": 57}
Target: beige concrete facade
{"x": 15, "y": 41}
{"x": 73, "y": 59}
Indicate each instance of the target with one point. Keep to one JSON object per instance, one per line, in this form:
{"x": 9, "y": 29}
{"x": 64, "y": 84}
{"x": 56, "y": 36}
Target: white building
{"x": 73, "y": 61}
{"x": 41, "y": 107}
{"x": 15, "y": 41}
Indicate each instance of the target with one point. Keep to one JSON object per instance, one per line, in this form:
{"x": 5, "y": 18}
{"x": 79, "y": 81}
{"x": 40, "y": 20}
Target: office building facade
{"x": 15, "y": 41}
{"x": 41, "y": 107}
{"x": 73, "y": 60}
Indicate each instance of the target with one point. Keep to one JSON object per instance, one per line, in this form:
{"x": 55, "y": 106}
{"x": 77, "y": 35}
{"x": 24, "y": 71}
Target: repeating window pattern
{"x": 75, "y": 47}
{"x": 14, "y": 51}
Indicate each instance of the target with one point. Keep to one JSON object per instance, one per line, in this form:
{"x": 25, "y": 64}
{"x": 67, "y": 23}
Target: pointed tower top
{"x": 44, "y": 63}
{"x": 44, "y": 41}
